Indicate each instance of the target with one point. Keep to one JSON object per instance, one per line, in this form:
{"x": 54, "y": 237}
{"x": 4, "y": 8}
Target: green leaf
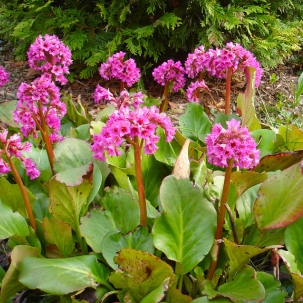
{"x": 273, "y": 208}
{"x": 10, "y": 195}
{"x": 6, "y": 113}
{"x": 59, "y": 233}
{"x": 66, "y": 202}
{"x": 194, "y": 123}
{"x": 121, "y": 209}
{"x": 223, "y": 118}
{"x": 244, "y": 287}
{"x": 96, "y": 181}
{"x": 140, "y": 273}
{"x": 63, "y": 276}
{"x": 265, "y": 139}
{"x": 185, "y": 230}
{"x": 94, "y": 226}
{"x": 279, "y": 161}
{"x": 294, "y": 241}
{"x": 245, "y": 101}
{"x": 12, "y": 223}
{"x": 239, "y": 255}
{"x": 216, "y": 300}
{"x": 293, "y": 137}
{"x": 114, "y": 241}
{"x": 176, "y": 296}
{"x": 167, "y": 152}
{"x": 73, "y": 161}
{"x": 10, "y": 283}
{"x": 272, "y": 288}
{"x": 297, "y": 278}
{"x": 157, "y": 294}
{"x": 245, "y": 180}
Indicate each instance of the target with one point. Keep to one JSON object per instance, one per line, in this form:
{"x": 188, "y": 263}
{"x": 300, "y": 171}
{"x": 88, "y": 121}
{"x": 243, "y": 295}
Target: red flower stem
{"x": 164, "y": 104}
{"x": 122, "y": 85}
{"x": 221, "y": 216}
{"x": 139, "y": 181}
{"x": 228, "y": 90}
{"x": 45, "y": 136}
{"x": 23, "y": 192}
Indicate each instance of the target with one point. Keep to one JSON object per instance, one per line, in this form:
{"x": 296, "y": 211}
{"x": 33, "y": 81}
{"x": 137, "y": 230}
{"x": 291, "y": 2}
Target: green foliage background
{"x": 154, "y": 30}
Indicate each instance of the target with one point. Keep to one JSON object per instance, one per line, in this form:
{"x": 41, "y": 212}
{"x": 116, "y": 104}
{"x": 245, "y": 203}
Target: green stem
{"x": 23, "y": 192}
{"x": 180, "y": 282}
{"x": 221, "y": 216}
{"x": 228, "y": 90}
{"x": 139, "y": 181}
{"x": 164, "y": 104}
{"x": 82, "y": 243}
{"x": 45, "y": 136}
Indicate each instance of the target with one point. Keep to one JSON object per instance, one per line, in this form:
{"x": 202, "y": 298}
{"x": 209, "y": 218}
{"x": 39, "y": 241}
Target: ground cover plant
{"x": 126, "y": 207}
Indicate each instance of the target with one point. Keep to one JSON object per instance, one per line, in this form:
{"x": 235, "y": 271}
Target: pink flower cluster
{"x": 3, "y": 76}
{"x": 217, "y": 61}
{"x": 170, "y": 72}
{"x": 192, "y": 89}
{"x": 125, "y": 99}
{"x": 27, "y": 113}
{"x": 51, "y": 56}
{"x": 126, "y": 123}
{"x": 116, "y": 68}
{"x": 12, "y": 147}
{"x": 234, "y": 143}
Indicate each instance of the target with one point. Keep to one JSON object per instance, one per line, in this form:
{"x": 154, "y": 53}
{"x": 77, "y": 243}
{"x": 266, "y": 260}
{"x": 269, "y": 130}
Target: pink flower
{"x": 116, "y": 68}
{"x": 3, "y": 76}
{"x": 51, "y": 56}
{"x": 27, "y": 113}
{"x": 170, "y": 72}
{"x": 12, "y": 147}
{"x": 125, "y": 124}
{"x": 192, "y": 89}
{"x": 194, "y": 63}
{"x": 235, "y": 143}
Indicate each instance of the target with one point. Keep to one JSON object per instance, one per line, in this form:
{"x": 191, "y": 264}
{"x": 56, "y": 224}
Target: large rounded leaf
{"x": 280, "y": 200}
{"x": 185, "y": 231}
{"x": 62, "y": 276}
{"x": 73, "y": 160}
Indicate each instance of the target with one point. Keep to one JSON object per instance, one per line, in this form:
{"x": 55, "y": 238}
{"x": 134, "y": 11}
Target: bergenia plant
{"x": 3, "y": 76}
{"x": 167, "y": 74}
{"x": 231, "y": 147}
{"x": 12, "y": 147}
{"x": 50, "y": 55}
{"x": 136, "y": 127}
{"x": 39, "y": 109}
{"x": 117, "y": 68}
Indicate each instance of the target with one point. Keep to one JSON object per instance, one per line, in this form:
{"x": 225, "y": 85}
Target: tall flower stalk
{"x": 131, "y": 124}
{"x": 231, "y": 147}
{"x": 12, "y": 147}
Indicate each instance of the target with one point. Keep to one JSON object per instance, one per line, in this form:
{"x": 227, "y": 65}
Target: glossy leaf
{"x": 157, "y": 294}
{"x": 294, "y": 241}
{"x": 194, "y": 123}
{"x": 239, "y": 255}
{"x": 265, "y": 139}
{"x": 10, "y": 283}
{"x": 176, "y": 296}
{"x": 244, "y": 287}
{"x": 73, "y": 161}
{"x": 247, "y": 179}
{"x": 66, "y": 202}
{"x": 216, "y": 300}
{"x": 274, "y": 294}
{"x": 11, "y": 223}
{"x": 96, "y": 181}
{"x": 297, "y": 277}
{"x": 114, "y": 241}
{"x": 6, "y": 113}
{"x": 185, "y": 230}
{"x": 273, "y": 208}
{"x": 63, "y": 276}
{"x": 140, "y": 273}
{"x": 59, "y": 233}
{"x": 279, "y": 161}
{"x": 293, "y": 137}
{"x": 10, "y": 195}
{"x": 245, "y": 101}
{"x": 167, "y": 152}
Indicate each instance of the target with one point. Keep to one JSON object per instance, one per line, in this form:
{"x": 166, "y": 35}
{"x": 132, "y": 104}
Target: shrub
{"x": 153, "y": 30}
